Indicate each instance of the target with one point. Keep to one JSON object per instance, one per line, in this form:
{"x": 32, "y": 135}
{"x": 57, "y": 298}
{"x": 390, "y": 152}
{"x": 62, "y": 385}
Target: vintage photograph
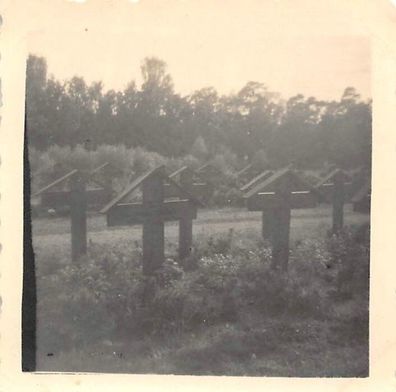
{"x": 199, "y": 188}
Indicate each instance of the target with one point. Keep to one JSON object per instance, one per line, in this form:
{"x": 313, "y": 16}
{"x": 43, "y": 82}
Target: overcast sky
{"x": 316, "y": 48}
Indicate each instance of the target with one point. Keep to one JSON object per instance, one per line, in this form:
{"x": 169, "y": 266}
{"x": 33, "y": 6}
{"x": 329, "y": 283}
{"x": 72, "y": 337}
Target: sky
{"x": 316, "y": 48}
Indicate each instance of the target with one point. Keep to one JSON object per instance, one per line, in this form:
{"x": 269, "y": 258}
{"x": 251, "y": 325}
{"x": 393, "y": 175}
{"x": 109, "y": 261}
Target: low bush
{"x": 106, "y": 296}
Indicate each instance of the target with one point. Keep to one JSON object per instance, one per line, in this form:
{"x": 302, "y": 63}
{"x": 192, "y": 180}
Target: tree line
{"x": 252, "y": 124}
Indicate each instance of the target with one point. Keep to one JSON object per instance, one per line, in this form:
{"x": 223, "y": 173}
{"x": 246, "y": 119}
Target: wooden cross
{"x": 152, "y": 213}
{"x": 249, "y": 171}
{"x": 211, "y": 173}
{"x": 266, "y": 215}
{"x": 201, "y": 190}
{"x": 336, "y": 188}
{"x": 103, "y": 176}
{"x": 326, "y": 184}
{"x": 52, "y": 198}
{"x": 275, "y": 196}
{"x": 77, "y": 198}
{"x": 78, "y": 216}
{"x": 338, "y": 201}
{"x": 191, "y": 181}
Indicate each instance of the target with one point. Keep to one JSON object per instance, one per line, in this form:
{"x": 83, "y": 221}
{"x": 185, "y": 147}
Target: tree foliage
{"x": 252, "y": 123}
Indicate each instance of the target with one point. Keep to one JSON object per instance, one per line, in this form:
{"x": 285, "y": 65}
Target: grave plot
{"x": 191, "y": 181}
{"x": 275, "y": 194}
{"x": 152, "y": 212}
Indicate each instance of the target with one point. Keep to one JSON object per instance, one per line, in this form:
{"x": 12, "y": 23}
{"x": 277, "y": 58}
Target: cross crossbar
{"x": 137, "y": 213}
{"x": 134, "y": 185}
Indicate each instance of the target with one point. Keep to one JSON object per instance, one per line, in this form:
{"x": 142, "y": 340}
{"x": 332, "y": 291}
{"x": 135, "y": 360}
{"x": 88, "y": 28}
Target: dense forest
{"x": 253, "y": 123}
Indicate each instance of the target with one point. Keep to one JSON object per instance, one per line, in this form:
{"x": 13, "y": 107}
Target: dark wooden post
{"x": 108, "y": 188}
{"x": 281, "y": 226}
{"x": 108, "y": 180}
{"x": 338, "y": 202}
{"x": 186, "y": 223}
{"x": 267, "y": 217}
{"x": 153, "y": 225}
{"x": 78, "y": 216}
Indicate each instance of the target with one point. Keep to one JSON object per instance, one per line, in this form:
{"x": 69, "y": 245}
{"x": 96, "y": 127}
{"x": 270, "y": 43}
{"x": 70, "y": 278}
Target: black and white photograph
{"x": 197, "y": 189}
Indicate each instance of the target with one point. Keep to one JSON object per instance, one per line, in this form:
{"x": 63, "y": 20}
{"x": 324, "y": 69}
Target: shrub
{"x": 106, "y": 296}
{"x": 350, "y": 255}
{"x": 92, "y": 300}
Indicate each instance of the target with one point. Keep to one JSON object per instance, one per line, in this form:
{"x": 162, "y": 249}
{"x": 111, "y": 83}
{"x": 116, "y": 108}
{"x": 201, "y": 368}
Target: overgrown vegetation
{"x": 228, "y": 314}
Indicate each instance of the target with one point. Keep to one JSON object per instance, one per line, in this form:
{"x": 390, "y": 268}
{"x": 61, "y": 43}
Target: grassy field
{"x": 53, "y": 233}
{"x": 320, "y": 328}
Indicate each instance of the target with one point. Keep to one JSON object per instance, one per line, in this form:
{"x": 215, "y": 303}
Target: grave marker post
{"x": 267, "y": 214}
{"x": 338, "y": 202}
{"x": 153, "y": 224}
{"x": 78, "y": 216}
{"x": 186, "y": 222}
{"x": 281, "y": 226}
{"x": 274, "y": 196}
{"x": 267, "y": 218}
{"x": 153, "y": 211}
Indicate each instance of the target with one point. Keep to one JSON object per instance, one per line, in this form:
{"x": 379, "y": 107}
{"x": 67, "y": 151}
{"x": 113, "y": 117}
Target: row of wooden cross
{"x": 164, "y": 198}
{"x": 177, "y": 197}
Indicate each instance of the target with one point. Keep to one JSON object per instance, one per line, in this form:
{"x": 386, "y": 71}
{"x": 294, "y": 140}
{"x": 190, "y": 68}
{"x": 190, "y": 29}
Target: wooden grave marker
{"x": 55, "y": 196}
{"x": 249, "y": 173}
{"x": 104, "y": 176}
{"x": 152, "y": 212}
{"x": 75, "y": 196}
{"x": 266, "y": 215}
{"x": 78, "y": 215}
{"x": 191, "y": 181}
{"x": 49, "y": 198}
{"x": 326, "y": 184}
{"x": 211, "y": 174}
{"x": 257, "y": 180}
{"x": 336, "y": 188}
{"x": 188, "y": 179}
{"x": 275, "y": 195}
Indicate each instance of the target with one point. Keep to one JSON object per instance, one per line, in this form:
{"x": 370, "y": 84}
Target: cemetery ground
{"x": 230, "y": 315}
